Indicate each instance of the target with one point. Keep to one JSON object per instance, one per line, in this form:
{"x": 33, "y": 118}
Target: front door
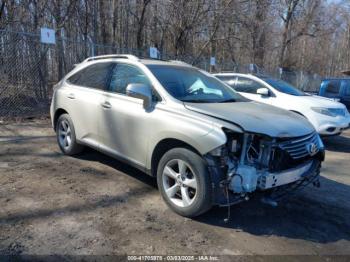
{"x": 125, "y": 123}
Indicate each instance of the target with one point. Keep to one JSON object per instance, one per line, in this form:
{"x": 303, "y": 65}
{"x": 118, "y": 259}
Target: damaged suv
{"x": 206, "y": 144}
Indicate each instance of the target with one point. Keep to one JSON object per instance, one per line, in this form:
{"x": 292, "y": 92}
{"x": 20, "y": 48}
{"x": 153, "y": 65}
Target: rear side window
{"x": 247, "y": 85}
{"x": 230, "y": 80}
{"x": 332, "y": 87}
{"x": 123, "y": 75}
{"x": 94, "y": 76}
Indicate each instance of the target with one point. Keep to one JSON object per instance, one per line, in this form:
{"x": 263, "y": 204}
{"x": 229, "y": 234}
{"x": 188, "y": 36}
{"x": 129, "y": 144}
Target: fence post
{"x": 92, "y": 46}
{"x": 280, "y": 72}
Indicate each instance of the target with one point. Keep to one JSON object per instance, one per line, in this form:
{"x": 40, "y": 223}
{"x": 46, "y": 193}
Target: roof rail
{"x": 179, "y": 62}
{"x": 125, "y": 56}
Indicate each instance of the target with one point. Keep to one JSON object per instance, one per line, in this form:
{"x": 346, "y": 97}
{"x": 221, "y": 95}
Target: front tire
{"x": 66, "y": 138}
{"x": 183, "y": 181}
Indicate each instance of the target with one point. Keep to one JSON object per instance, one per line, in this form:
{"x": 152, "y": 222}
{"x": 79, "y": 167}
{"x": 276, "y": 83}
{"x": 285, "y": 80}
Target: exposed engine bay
{"x": 255, "y": 162}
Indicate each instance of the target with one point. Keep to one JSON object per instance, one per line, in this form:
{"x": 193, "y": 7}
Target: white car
{"x": 327, "y": 116}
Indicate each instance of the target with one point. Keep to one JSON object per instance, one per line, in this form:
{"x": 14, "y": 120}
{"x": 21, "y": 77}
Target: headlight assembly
{"x": 219, "y": 151}
{"x": 323, "y": 111}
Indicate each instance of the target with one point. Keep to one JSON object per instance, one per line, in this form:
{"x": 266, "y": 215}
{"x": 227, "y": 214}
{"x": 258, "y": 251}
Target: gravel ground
{"x": 93, "y": 204}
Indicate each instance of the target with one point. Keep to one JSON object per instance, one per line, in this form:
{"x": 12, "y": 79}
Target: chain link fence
{"x": 24, "y": 75}
{"x": 29, "y": 69}
{"x": 306, "y": 82}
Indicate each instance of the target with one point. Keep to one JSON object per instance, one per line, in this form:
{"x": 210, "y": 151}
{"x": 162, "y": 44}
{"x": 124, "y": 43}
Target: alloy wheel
{"x": 64, "y": 134}
{"x": 180, "y": 183}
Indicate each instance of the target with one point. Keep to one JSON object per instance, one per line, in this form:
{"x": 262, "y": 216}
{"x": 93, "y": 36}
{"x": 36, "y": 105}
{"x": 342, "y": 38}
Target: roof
{"x": 163, "y": 62}
{"x": 336, "y": 78}
{"x": 146, "y": 61}
{"x": 230, "y": 74}
{"x": 346, "y": 77}
{"x": 262, "y": 76}
{"x": 346, "y": 72}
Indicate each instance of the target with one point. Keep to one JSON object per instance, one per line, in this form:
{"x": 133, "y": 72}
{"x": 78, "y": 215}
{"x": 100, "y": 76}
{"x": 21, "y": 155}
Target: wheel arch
{"x": 164, "y": 146}
{"x": 58, "y": 113}
{"x": 297, "y": 112}
{"x": 198, "y": 143}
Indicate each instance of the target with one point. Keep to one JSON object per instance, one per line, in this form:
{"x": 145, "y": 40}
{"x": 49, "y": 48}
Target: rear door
{"x": 84, "y": 97}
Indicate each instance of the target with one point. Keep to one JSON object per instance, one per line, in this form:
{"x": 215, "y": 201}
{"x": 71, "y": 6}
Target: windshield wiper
{"x": 196, "y": 101}
{"x": 228, "y": 100}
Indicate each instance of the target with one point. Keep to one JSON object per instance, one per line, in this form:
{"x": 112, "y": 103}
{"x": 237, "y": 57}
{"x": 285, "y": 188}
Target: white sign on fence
{"x": 153, "y": 52}
{"x": 212, "y": 60}
{"x": 47, "y": 36}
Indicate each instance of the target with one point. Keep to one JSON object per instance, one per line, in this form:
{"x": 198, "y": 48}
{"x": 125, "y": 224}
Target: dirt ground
{"x": 93, "y": 204}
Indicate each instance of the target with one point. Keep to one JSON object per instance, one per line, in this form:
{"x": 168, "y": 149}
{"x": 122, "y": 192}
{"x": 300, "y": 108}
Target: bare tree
{"x": 310, "y": 35}
{"x": 299, "y": 19}
{"x": 140, "y": 16}
{"x": 2, "y": 9}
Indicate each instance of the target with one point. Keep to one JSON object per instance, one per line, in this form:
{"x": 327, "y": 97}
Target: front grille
{"x": 301, "y": 147}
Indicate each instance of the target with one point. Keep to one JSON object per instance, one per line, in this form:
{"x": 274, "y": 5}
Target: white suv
{"x": 206, "y": 144}
{"x": 327, "y": 116}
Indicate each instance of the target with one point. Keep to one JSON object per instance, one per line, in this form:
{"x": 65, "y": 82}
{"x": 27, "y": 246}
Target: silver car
{"x": 206, "y": 144}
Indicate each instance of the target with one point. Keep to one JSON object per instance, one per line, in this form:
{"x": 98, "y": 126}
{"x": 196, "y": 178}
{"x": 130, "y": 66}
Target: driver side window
{"x": 247, "y": 85}
{"x": 123, "y": 74}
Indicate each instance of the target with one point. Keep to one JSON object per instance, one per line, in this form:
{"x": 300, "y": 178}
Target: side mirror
{"x": 263, "y": 91}
{"x": 140, "y": 91}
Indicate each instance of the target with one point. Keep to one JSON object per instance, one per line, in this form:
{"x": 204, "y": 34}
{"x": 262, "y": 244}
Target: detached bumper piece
{"x": 271, "y": 180}
{"x": 311, "y": 176}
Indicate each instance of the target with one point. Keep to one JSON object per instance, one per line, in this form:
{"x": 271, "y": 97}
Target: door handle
{"x": 106, "y": 105}
{"x": 71, "y": 96}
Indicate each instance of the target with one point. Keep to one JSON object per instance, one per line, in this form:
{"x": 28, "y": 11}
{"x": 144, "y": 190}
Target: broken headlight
{"x": 258, "y": 150}
{"x": 234, "y": 142}
{"x": 231, "y": 149}
{"x": 232, "y": 146}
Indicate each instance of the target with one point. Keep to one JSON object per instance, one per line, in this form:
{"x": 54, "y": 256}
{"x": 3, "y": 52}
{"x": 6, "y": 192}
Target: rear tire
{"x": 66, "y": 138}
{"x": 183, "y": 181}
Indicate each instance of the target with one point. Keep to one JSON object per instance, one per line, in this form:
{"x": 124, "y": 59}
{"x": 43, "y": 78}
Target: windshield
{"x": 192, "y": 85}
{"x": 284, "y": 87}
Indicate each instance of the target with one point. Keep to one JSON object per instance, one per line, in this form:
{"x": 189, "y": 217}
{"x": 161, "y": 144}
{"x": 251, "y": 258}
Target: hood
{"x": 257, "y": 118}
{"x": 318, "y": 101}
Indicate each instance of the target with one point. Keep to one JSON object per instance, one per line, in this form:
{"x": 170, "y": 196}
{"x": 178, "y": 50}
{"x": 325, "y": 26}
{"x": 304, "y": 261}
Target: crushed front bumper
{"x": 309, "y": 177}
{"x": 276, "y": 185}
{"x": 271, "y": 180}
